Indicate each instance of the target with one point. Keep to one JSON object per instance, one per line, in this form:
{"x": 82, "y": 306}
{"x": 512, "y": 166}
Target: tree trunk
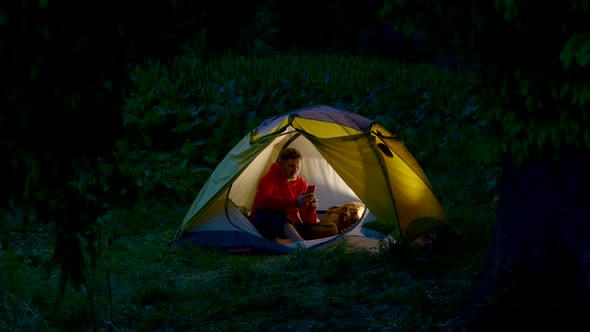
{"x": 538, "y": 267}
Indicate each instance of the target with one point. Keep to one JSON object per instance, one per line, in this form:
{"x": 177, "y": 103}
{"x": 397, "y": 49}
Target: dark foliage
{"x": 61, "y": 113}
{"x": 538, "y": 263}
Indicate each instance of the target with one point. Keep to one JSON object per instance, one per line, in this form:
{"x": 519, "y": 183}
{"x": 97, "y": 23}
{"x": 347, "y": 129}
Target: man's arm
{"x": 308, "y": 212}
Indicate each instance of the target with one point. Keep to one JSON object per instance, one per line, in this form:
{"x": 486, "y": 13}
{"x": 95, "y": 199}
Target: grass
{"x": 140, "y": 284}
{"x": 332, "y": 72}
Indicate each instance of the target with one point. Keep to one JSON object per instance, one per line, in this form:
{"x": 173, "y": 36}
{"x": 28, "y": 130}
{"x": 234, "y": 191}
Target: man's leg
{"x": 269, "y": 223}
{"x": 275, "y": 225}
{"x": 291, "y": 232}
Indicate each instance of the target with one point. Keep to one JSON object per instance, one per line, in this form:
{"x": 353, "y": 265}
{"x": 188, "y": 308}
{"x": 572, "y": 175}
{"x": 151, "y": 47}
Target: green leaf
{"x": 381, "y": 227}
{"x": 388, "y": 6}
{"x": 188, "y": 149}
{"x": 211, "y": 160}
{"x": 581, "y": 94}
{"x": 564, "y": 90}
{"x": 576, "y": 51}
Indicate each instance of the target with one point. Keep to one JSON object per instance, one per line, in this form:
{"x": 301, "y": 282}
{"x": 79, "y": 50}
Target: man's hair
{"x": 289, "y": 153}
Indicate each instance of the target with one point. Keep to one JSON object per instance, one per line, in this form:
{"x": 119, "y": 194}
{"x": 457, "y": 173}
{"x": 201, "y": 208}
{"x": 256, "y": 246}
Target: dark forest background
{"x": 113, "y": 114}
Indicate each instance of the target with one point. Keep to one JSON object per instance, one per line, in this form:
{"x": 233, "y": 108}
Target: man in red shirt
{"x": 282, "y": 209}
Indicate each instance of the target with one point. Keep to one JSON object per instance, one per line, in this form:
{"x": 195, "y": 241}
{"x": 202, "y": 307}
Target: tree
{"x": 538, "y": 267}
{"x": 61, "y": 117}
{"x": 61, "y": 111}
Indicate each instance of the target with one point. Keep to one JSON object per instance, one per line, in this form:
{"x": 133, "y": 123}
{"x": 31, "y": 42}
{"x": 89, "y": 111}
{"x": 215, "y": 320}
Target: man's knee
{"x": 269, "y": 223}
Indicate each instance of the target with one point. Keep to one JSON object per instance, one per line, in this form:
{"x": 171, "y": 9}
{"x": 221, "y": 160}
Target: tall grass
{"x": 338, "y": 73}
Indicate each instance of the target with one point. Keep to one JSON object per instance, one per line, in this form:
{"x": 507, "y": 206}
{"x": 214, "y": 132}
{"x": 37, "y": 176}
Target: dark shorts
{"x": 270, "y": 223}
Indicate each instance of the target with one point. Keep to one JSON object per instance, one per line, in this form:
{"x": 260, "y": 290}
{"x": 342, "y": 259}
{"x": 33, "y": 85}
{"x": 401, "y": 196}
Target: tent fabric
{"x": 349, "y": 157}
{"x": 320, "y": 114}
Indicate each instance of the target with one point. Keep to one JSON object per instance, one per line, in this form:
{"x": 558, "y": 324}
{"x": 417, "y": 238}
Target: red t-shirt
{"x": 276, "y": 193}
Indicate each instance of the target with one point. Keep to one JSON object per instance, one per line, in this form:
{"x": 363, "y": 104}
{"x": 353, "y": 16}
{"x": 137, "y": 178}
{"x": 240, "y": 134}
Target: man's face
{"x": 290, "y": 168}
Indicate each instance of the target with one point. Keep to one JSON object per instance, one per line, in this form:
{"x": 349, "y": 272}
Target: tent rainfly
{"x": 348, "y": 156}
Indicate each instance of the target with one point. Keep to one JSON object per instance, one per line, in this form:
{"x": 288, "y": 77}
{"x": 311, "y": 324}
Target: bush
{"x": 183, "y": 116}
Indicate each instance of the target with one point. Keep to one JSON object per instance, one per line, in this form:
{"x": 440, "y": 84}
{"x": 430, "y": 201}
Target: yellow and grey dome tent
{"x": 348, "y": 156}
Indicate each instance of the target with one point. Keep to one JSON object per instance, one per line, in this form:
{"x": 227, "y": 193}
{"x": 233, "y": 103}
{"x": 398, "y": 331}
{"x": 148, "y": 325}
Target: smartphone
{"x": 311, "y": 189}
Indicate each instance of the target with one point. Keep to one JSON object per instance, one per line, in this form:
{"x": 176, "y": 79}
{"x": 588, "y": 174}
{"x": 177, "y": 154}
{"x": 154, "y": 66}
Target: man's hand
{"x": 314, "y": 203}
{"x": 307, "y": 198}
